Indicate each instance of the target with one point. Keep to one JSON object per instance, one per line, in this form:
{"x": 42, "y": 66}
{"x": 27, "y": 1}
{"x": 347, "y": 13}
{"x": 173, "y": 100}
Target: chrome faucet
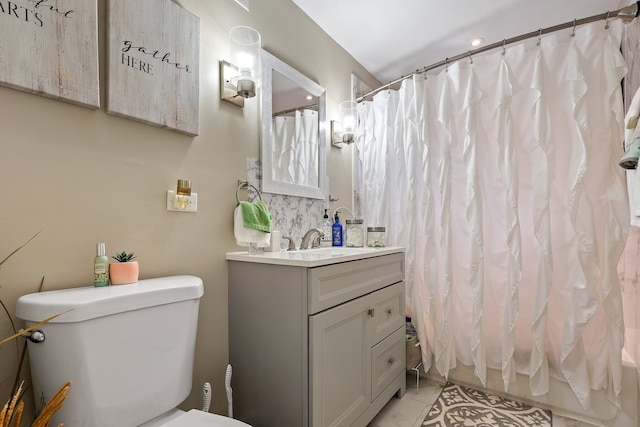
{"x": 307, "y": 236}
{"x": 292, "y": 244}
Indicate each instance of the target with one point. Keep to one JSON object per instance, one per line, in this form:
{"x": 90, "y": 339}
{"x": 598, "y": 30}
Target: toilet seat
{"x": 195, "y": 418}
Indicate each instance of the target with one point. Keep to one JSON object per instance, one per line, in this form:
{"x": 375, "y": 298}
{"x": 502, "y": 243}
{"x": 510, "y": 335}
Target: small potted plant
{"x": 125, "y": 270}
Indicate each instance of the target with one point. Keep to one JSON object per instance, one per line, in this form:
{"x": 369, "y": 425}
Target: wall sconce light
{"x": 182, "y": 200}
{"x": 343, "y": 132}
{"x": 240, "y": 78}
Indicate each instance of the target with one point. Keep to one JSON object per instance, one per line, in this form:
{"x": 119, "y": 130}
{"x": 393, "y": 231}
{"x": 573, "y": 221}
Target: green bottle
{"x": 101, "y": 267}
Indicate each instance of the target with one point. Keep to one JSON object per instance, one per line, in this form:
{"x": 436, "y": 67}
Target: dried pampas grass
{"x": 12, "y": 412}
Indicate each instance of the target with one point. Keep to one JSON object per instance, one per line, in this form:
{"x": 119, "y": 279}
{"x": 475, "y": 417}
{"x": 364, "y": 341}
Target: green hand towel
{"x": 256, "y": 216}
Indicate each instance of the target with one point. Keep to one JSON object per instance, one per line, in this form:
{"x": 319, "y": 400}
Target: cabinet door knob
{"x": 389, "y": 312}
{"x": 371, "y": 312}
{"x": 392, "y": 360}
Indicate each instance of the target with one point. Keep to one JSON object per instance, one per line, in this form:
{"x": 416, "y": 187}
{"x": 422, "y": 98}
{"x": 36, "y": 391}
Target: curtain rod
{"x": 627, "y": 14}
{"x": 291, "y": 110}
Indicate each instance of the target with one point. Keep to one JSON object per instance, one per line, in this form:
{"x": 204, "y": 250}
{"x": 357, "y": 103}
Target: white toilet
{"x": 128, "y": 351}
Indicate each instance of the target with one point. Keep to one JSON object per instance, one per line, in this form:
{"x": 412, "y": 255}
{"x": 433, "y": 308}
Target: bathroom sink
{"x": 312, "y": 257}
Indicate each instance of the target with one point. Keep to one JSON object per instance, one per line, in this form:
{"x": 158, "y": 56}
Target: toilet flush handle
{"x": 35, "y": 336}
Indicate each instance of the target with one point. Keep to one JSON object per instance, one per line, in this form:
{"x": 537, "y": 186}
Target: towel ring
{"x": 245, "y": 184}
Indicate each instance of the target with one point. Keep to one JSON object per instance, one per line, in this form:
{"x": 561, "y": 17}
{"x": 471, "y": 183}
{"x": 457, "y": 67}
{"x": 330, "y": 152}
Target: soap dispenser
{"x": 336, "y": 232}
{"x": 327, "y": 239}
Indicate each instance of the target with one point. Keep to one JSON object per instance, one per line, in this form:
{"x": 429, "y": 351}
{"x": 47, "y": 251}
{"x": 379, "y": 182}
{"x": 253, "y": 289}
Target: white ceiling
{"x": 393, "y": 38}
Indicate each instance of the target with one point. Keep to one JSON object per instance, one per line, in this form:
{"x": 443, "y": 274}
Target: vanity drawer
{"x": 387, "y": 361}
{"x": 334, "y": 284}
{"x": 388, "y": 314}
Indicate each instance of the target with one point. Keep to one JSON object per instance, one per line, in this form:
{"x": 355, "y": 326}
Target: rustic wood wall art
{"x": 153, "y": 58}
{"x": 50, "y": 48}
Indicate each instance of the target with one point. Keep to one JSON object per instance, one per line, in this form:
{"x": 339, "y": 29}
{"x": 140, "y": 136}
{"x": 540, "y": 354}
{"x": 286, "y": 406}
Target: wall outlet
{"x": 192, "y": 203}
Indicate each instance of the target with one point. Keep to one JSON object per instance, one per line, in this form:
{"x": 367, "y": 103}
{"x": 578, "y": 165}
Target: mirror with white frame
{"x": 293, "y": 131}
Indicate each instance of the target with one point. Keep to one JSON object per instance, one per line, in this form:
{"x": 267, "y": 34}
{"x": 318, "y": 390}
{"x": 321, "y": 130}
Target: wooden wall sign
{"x": 153, "y": 58}
{"x": 50, "y": 48}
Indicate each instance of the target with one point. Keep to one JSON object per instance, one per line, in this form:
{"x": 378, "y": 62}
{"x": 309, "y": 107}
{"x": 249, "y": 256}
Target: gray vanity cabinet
{"x": 316, "y": 346}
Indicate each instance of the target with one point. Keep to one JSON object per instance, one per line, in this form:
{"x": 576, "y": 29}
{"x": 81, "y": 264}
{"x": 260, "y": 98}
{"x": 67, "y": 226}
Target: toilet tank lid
{"x": 90, "y": 302}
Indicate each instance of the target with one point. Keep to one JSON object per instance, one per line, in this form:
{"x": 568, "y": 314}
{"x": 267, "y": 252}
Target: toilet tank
{"x": 127, "y": 349}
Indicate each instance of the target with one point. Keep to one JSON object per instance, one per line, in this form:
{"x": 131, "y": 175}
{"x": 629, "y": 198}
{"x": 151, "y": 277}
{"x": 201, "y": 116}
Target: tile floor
{"x": 411, "y": 410}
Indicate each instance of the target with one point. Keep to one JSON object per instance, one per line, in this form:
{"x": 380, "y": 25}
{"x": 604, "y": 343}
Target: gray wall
{"x": 81, "y": 176}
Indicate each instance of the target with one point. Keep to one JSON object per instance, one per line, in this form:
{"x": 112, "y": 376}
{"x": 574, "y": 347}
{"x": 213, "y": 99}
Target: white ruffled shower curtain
{"x": 499, "y": 175}
{"x": 295, "y": 148}
{"x": 630, "y": 263}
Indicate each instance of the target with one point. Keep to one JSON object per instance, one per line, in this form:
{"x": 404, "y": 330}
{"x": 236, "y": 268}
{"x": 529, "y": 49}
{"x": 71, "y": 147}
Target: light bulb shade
{"x": 183, "y": 187}
{"x": 630, "y": 158}
{"x": 245, "y": 56}
{"x": 347, "y": 113}
{"x": 183, "y": 192}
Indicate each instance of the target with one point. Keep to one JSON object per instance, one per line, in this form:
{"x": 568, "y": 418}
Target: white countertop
{"x": 313, "y": 257}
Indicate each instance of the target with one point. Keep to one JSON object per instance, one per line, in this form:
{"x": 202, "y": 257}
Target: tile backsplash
{"x": 292, "y": 215}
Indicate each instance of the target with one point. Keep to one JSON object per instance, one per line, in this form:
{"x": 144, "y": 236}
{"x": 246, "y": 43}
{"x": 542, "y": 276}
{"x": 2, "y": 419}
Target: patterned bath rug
{"x": 460, "y": 406}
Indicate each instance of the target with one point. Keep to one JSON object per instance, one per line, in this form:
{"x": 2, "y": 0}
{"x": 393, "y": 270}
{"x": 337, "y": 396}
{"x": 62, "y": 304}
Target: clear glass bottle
{"x": 355, "y": 233}
{"x": 327, "y": 239}
{"x": 376, "y": 237}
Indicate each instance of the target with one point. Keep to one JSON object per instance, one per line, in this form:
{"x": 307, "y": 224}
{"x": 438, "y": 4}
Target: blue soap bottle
{"x": 336, "y": 232}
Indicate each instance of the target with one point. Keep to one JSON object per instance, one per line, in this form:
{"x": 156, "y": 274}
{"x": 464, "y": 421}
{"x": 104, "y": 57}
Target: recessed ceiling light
{"x": 309, "y": 97}
{"x": 477, "y": 42}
